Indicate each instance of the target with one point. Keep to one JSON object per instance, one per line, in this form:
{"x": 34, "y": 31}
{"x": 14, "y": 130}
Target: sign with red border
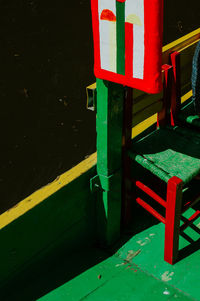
{"x": 128, "y": 42}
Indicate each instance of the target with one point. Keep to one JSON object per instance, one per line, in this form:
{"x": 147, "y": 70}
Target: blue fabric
{"x": 196, "y": 79}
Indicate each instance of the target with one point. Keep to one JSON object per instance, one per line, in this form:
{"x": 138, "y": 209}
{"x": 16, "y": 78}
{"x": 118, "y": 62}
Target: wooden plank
{"x": 180, "y": 44}
{"x": 65, "y": 216}
{"x": 45, "y": 192}
{"x": 144, "y": 100}
{"x": 186, "y": 57}
{"x": 118, "y": 280}
{"x": 139, "y": 128}
{"x": 147, "y": 112}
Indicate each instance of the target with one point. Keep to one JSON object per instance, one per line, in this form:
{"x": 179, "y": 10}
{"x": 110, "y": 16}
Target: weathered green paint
{"x": 65, "y": 268}
{"x": 109, "y": 214}
{"x": 120, "y": 16}
{"x": 137, "y": 271}
{"x": 109, "y": 159}
{"x": 65, "y": 218}
{"x": 118, "y": 281}
{"x": 184, "y": 275}
{"x": 109, "y": 126}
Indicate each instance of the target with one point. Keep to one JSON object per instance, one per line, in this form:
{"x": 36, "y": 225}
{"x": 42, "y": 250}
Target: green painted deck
{"x": 137, "y": 271}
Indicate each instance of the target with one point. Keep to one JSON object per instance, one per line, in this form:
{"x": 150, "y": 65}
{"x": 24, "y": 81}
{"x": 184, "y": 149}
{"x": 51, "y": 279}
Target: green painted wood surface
{"x": 137, "y": 271}
{"x": 109, "y": 159}
{"x": 118, "y": 282}
{"x": 64, "y": 219}
{"x": 184, "y": 275}
{"x": 109, "y": 126}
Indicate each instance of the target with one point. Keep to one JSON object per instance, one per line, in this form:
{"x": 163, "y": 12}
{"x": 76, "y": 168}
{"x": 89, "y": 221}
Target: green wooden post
{"x": 110, "y": 98}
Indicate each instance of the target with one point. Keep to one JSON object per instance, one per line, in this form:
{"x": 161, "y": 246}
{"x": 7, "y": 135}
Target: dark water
{"x": 46, "y": 61}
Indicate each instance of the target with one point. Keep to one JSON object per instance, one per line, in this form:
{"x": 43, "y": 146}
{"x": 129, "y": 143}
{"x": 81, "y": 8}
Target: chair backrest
{"x": 147, "y": 105}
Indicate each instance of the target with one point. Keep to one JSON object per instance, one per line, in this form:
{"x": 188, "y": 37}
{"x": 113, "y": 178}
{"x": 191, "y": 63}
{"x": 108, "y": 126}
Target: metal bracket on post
{"x": 104, "y": 183}
{"x": 91, "y": 92}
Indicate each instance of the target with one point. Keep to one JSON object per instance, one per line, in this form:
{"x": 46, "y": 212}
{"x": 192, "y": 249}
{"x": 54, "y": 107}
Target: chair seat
{"x": 189, "y": 116}
{"x": 168, "y": 152}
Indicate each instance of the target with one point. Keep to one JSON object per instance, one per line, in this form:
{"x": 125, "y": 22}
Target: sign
{"x": 128, "y": 42}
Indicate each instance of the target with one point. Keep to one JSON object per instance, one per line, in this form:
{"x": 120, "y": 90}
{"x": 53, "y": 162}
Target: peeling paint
{"x": 120, "y": 264}
{"x": 198, "y": 225}
{"x": 131, "y": 254}
{"x": 166, "y": 292}
{"x": 145, "y": 241}
{"x": 167, "y": 276}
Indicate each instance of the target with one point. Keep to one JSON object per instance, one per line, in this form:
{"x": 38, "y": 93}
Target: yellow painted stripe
{"x": 43, "y": 193}
{"x": 186, "y": 96}
{"x": 182, "y": 40}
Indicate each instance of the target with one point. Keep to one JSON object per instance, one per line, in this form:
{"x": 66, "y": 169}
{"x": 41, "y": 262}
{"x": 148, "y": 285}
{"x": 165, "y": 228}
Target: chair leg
{"x": 173, "y": 215}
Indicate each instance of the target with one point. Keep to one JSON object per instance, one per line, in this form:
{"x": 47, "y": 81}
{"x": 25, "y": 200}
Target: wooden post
{"x": 110, "y": 98}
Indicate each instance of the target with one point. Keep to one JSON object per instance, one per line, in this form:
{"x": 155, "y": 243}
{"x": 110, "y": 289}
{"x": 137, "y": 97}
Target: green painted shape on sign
{"x": 120, "y": 16}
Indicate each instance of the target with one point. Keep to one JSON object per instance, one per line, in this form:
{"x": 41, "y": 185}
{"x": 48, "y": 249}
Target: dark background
{"x": 46, "y": 61}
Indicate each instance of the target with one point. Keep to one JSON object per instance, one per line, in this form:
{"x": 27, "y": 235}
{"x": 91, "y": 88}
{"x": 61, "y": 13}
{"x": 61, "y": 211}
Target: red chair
{"x": 172, "y": 156}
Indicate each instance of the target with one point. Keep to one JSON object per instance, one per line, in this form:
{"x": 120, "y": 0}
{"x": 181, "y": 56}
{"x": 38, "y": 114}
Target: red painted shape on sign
{"x": 107, "y": 15}
{"x": 128, "y": 49}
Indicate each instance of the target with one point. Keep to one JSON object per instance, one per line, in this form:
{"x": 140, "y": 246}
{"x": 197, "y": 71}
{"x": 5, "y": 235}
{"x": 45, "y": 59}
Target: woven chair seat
{"x": 168, "y": 152}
